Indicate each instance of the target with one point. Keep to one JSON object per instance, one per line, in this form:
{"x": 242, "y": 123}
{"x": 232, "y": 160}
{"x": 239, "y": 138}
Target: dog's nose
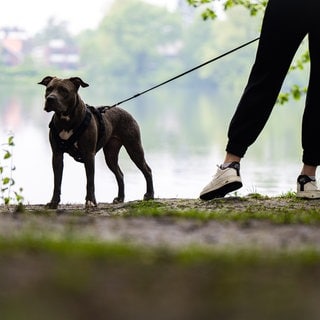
{"x": 51, "y": 99}
{"x": 50, "y": 103}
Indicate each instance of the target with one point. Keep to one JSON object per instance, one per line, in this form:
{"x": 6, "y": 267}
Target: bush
{"x": 7, "y": 194}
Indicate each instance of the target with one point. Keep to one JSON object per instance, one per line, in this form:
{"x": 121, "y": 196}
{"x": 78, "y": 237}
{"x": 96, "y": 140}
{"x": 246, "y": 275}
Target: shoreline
{"x": 252, "y": 222}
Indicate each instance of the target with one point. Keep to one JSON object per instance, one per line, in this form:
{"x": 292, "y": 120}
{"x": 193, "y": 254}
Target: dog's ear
{"x": 45, "y": 81}
{"x": 78, "y": 82}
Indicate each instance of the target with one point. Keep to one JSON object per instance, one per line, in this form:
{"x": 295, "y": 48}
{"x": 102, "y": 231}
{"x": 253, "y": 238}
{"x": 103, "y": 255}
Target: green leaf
{"x": 6, "y": 180}
{"x": 6, "y": 193}
{"x": 209, "y": 14}
{"x": 18, "y": 196}
{"x": 10, "y": 141}
{"x": 7, "y": 154}
{"x": 283, "y": 98}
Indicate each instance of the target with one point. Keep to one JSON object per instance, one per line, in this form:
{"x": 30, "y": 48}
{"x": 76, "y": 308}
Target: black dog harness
{"x": 69, "y": 145}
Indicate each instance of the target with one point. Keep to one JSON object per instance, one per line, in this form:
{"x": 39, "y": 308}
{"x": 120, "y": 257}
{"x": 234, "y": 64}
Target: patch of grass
{"x": 256, "y": 195}
{"x": 222, "y": 211}
{"x": 70, "y": 246}
{"x": 159, "y": 212}
{"x": 43, "y": 211}
{"x": 277, "y": 216}
{"x": 86, "y": 248}
{"x": 286, "y": 209}
{"x": 290, "y": 195}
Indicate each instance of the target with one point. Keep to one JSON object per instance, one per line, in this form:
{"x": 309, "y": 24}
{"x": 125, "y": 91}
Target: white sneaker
{"x": 307, "y": 188}
{"x": 224, "y": 181}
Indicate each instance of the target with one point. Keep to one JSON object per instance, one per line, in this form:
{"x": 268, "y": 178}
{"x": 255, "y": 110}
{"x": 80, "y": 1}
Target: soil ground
{"x": 113, "y": 222}
{"x": 252, "y": 266}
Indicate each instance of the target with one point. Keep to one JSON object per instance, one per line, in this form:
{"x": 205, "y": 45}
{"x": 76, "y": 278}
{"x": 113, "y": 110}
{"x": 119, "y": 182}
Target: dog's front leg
{"x": 89, "y": 166}
{"x": 57, "y": 165}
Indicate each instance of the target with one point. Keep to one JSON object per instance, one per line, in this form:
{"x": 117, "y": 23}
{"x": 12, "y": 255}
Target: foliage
{"x": 8, "y": 195}
{"x": 131, "y": 43}
{"x": 137, "y": 45}
{"x": 255, "y": 7}
{"x": 53, "y": 30}
{"x": 296, "y": 92}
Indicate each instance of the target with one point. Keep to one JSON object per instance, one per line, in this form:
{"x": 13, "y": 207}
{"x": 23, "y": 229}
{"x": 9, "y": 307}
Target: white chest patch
{"x": 66, "y": 118}
{"x": 65, "y": 135}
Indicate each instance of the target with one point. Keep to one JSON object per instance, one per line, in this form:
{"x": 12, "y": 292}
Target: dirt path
{"x": 109, "y": 223}
{"x": 39, "y": 282}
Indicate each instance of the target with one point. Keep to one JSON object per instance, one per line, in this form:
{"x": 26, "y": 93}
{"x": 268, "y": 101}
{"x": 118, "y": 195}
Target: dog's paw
{"x": 52, "y": 205}
{"x": 118, "y": 200}
{"x": 90, "y": 204}
{"x": 148, "y": 196}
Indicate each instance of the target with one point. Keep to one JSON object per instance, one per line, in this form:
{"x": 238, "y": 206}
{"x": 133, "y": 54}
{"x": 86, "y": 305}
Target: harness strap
{"x": 69, "y": 144}
{"x": 101, "y": 126}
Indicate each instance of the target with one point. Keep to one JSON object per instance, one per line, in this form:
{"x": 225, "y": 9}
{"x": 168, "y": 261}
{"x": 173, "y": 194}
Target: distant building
{"x": 15, "y": 46}
{"x": 58, "y": 53}
{"x": 63, "y": 55}
{"x": 12, "y": 44}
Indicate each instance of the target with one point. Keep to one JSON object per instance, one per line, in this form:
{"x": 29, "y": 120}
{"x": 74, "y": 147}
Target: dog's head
{"x": 61, "y": 95}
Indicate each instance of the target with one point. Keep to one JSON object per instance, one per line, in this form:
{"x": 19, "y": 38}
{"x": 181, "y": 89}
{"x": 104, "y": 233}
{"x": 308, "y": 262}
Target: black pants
{"x": 285, "y": 25}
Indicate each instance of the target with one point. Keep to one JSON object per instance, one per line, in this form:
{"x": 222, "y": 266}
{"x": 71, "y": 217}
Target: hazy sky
{"x": 33, "y": 15}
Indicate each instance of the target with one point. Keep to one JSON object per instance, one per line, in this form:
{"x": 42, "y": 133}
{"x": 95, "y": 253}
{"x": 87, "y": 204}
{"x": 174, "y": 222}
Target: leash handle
{"x": 186, "y": 72}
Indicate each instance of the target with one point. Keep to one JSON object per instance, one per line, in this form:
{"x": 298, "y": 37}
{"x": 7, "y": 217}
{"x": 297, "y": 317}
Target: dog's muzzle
{"x": 51, "y": 104}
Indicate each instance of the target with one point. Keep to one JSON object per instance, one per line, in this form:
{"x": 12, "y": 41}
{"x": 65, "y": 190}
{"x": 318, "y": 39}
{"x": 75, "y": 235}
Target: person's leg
{"x": 308, "y": 170}
{"x": 282, "y": 31}
{"x": 311, "y": 115}
{"x": 306, "y": 182}
{"x": 231, "y": 158}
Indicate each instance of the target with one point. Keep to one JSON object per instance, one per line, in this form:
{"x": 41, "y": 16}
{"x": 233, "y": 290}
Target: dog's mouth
{"x": 48, "y": 108}
{"x": 52, "y": 105}
{"x": 63, "y": 115}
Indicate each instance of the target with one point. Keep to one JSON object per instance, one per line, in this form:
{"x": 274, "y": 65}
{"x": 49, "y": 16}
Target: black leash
{"x": 186, "y": 72}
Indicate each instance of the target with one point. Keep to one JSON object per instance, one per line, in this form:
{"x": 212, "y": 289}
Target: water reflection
{"x": 183, "y": 141}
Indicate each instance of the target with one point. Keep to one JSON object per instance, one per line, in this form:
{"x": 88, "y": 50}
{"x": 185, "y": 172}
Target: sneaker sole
{"x": 221, "y": 192}
{"x": 308, "y": 194}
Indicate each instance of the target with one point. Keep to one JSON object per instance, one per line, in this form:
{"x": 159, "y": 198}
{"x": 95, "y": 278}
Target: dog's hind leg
{"x": 111, "y": 154}
{"x": 136, "y": 154}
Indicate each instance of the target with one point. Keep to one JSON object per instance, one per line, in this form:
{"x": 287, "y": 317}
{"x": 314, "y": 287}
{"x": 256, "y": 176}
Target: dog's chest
{"x": 65, "y": 135}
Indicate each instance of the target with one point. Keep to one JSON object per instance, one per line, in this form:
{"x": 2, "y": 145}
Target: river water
{"x": 183, "y": 144}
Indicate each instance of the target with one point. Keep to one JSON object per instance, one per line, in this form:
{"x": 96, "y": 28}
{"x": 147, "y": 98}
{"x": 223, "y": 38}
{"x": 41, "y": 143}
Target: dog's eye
{"x": 63, "y": 91}
{"x": 48, "y": 90}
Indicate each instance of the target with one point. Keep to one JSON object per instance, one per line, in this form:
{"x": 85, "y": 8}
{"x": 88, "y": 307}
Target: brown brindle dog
{"x": 81, "y": 131}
